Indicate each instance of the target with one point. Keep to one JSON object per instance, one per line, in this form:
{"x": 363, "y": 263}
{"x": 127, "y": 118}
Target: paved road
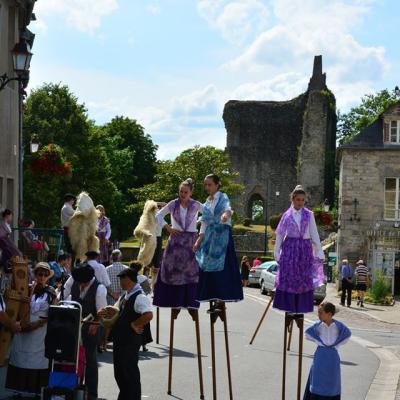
{"x": 256, "y": 369}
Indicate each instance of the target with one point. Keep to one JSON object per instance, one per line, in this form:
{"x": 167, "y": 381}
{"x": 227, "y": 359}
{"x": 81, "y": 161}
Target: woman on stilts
{"x": 177, "y": 280}
{"x": 220, "y": 279}
{"x": 324, "y": 380}
{"x": 300, "y": 256}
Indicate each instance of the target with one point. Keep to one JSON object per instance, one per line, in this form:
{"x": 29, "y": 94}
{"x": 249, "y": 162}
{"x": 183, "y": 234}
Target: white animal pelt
{"x": 82, "y": 227}
{"x": 146, "y": 232}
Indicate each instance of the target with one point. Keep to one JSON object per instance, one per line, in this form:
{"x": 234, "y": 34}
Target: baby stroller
{"x": 66, "y": 354}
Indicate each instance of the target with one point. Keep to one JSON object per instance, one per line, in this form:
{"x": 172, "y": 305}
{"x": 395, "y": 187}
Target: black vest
{"x": 89, "y": 301}
{"x": 122, "y": 332}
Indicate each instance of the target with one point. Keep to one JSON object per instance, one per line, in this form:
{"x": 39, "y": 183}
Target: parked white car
{"x": 255, "y": 273}
{"x": 267, "y": 282}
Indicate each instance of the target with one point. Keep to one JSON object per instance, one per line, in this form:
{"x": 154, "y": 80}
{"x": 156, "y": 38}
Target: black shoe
{"x": 349, "y": 305}
{"x": 342, "y": 304}
{"x": 362, "y": 304}
{"x": 145, "y": 349}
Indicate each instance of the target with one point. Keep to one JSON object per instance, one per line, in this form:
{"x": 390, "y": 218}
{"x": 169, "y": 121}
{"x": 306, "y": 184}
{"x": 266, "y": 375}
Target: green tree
{"x": 54, "y": 114}
{"x": 132, "y": 156}
{"x": 195, "y": 163}
{"x": 372, "y": 105}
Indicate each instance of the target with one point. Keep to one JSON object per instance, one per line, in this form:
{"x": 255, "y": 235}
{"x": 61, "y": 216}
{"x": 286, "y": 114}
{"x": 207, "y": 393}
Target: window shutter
{"x": 386, "y": 128}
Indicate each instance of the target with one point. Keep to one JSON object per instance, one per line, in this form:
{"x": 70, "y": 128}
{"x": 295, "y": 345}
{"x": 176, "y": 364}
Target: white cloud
{"x": 236, "y": 20}
{"x": 84, "y": 15}
{"x": 305, "y": 28}
{"x": 154, "y": 8}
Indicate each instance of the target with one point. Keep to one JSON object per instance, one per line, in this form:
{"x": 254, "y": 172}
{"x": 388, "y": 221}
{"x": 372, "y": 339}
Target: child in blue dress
{"x": 324, "y": 380}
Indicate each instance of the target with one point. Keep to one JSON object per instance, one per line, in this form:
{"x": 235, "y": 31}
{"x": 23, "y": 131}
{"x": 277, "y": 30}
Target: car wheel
{"x": 263, "y": 289}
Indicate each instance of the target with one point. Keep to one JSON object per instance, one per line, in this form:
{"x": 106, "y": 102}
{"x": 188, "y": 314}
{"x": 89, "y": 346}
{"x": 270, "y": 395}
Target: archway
{"x": 256, "y": 209}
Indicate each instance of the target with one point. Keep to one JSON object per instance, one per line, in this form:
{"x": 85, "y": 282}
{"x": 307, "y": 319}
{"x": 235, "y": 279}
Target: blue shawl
{"x": 212, "y": 251}
{"x": 324, "y": 378}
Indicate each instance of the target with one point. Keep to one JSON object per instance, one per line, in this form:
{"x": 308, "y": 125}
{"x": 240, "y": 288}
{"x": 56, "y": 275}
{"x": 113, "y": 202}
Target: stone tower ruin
{"x": 275, "y": 145}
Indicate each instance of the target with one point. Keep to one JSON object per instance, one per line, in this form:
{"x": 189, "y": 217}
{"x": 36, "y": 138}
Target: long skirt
{"x": 104, "y": 256}
{"x": 297, "y": 275}
{"x": 176, "y": 284}
{"x": 312, "y": 396}
{"x": 225, "y": 285}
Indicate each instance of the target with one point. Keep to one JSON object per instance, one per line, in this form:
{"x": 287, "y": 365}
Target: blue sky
{"x": 172, "y": 64}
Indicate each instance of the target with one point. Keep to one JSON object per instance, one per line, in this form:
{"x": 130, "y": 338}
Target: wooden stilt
{"x": 262, "y": 318}
{"x": 290, "y": 329}
{"x": 228, "y": 359}
{"x": 289, "y": 324}
{"x": 158, "y": 325}
{"x": 174, "y": 315}
{"x": 300, "y": 325}
{"x": 213, "y": 318}
{"x": 195, "y": 317}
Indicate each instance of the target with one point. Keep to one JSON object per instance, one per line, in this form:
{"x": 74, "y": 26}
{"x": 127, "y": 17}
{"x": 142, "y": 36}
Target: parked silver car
{"x": 267, "y": 282}
{"x": 255, "y": 273}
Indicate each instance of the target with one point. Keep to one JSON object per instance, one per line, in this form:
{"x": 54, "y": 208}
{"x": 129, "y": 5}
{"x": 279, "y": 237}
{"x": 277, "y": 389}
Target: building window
{"x": 10, "y": 194}
{"x": 392, "y": 198}
{"x": 392, "y": 132}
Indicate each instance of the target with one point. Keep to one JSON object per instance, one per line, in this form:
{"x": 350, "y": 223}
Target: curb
{"x": 387, "y": 378}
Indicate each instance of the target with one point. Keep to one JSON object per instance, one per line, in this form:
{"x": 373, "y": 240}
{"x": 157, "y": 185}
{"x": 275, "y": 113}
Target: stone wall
{"x": 362, "y": 177}
{"x": 251, "y": 241}
{"x": 276, "y": 145}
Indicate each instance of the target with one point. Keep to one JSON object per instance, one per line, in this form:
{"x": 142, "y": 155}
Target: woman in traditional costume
{"x": 103, "y": 233}
{"x": 28, "y": 368}
{"x": 300, "y": 271}
{"x": 176, "y": 285}
{"x": 220, "y": 278}
{"x": 324, "y": 380}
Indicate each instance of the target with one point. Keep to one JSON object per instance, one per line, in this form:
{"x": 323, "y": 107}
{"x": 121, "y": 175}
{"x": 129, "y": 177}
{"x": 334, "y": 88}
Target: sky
{"x": 173, "y": 64}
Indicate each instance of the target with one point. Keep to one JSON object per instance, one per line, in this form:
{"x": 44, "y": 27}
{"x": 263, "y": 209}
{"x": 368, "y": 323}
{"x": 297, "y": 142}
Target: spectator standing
{"x": 346, "y": 273}
{"x": 362, "y": 281}
{"x": 112, "y": 271}
{"x": 256, "y": 262}
{"x": 104, "y": 234}
{"x": 244, "y": 270}
{"x": 61, "y": 268}
{"x": 7, "y": 246}
{"x": 67, "y": 211}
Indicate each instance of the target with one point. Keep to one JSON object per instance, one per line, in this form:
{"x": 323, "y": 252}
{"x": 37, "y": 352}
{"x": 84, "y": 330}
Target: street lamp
{"x": 397, "y": 91}
{"x": 277, "y": 193}
{"x": 22, "y": 56}
{"x": 34, "y": 144}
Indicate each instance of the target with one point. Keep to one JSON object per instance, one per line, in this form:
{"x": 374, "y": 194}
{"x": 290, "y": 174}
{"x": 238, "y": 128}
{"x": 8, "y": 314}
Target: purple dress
{"x": 101, "y": 233}
{"x": 177, "y": 281}
{"x": 299, "y": 271}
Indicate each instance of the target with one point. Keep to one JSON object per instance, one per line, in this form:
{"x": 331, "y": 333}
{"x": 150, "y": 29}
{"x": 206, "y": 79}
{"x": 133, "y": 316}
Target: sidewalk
{"x": 388, "y": 314}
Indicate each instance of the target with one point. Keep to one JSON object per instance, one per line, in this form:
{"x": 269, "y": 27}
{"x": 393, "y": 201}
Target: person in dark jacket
{"x": 135, "y": 313}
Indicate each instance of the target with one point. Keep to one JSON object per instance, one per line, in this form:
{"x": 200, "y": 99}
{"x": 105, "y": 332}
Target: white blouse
{"x": 160, "y": 216}
{"x": 328, "y": 335}
{"x": 310, "y": 233}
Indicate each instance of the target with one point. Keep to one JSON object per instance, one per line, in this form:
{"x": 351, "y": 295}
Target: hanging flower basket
{"x": 50, "y": 160}
{"x": 323, "y": 218}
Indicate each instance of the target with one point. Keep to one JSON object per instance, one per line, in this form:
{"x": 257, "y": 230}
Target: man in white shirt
{"x": 135, "y": 313}
{"x": 67, "y": 211}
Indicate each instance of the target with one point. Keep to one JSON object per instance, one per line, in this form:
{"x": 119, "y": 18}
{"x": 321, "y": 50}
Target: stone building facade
{"x": 275, "y": 145}
{"x": 369, "y": 197}
{"x": 14, "y": 18}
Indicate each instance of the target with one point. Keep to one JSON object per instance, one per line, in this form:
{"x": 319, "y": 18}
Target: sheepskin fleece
{"x": 146, "y": 232}
{"x": 82, "y": 227}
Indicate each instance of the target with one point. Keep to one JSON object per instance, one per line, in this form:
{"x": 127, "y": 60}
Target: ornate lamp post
{"x": 22, "y": 56}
